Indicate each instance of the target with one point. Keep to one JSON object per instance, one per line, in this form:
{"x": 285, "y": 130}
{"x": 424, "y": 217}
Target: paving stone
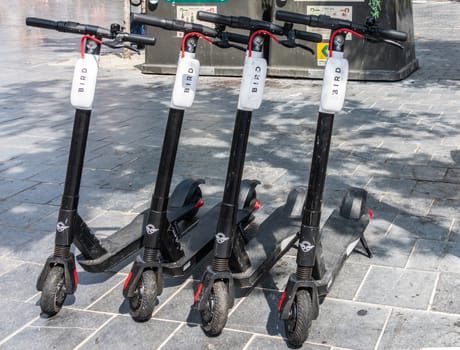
{"x": 348, "y": 325}
{"x": 447, "y": 208}
{"x": 427, "y": 255}
{"x": 10, "y": 187}
{"x": 15, "y": 315}
{"x": 258, "y": 313}
{"x": 19, "y": 284}
{"x": 348, "y": 281}
{"x": 454, "y": 235}
{"x": 123, "y": 333}
{"x": 92, "y": 286}
{"x": 39, "y": 194}
{"x": 397, "y": 287}
{"x": 420, "y": 227}
{"x": 408, "y": 329}
{"x": 387, "y": 251}
{"x": 26, "y": 215}
{"x": 278, "y": 275}
{"x": 275, "y": 343}
{"x": 65, "y": 330}
{"x": 114, "y": 302}
{"x": 190, "y": 337}
{"x": 450, "y": 261}
{"x": 180, "y": 307}
{"x": 447, "y": 297}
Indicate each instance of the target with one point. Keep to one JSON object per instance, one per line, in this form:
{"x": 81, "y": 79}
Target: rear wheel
{"x": 214, "y": 316}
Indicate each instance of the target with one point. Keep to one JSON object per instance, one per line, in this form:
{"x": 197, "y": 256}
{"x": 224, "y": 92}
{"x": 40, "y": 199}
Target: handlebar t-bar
{"x": 69, "y": 27}
{"x": 174, "y": 24}
{"x": 392, "y": 34}
{"x": 240, "y": 22}
{"x": 308, "y": 36}
{"x": 136, "y": 38}
{"x": 323, "y": 21}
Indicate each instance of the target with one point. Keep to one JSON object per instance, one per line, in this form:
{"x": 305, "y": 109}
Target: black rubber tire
{"x": 214, "y": 318}
{"x": 53, "y": 291}
{"x": 141, "y": 305}
{"x": 353, "y": 204}
{"x": 298, "y": 324}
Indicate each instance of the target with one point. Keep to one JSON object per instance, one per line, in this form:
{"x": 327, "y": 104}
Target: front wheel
{"x": 53, "y": 292}
{"x": 143, "y": 302}
{"x": 214, "y": 316}
{"x": 300, "y": 317}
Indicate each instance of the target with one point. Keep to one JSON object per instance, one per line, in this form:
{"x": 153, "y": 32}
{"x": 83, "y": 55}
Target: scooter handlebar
{"x": 174, "y": 24}
{"x": 70, "y": 27}
{"x": 392, "y": 34}
{"x": 136, "y": 38}
{"x": 328, "y": 22}
{"x": 308, "y": 36}
{"x": 239, "y": 22}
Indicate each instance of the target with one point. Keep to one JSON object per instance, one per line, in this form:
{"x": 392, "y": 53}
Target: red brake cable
{"x": 341, "y": 30}
{"x": 82, "y": 43}
{"x": 189, "y": 35}
{"x": 261, "y": 31}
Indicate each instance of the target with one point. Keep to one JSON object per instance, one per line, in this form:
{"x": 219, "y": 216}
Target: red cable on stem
{"x": 340, "y": 30}
{"x": 261, "y": 31}
{"x": 189, "y": 35}
{"x": 82, "y": 43}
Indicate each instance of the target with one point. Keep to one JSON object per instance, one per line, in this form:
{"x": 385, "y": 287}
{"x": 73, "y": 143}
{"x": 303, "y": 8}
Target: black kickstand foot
{"x": 366, "y": 247}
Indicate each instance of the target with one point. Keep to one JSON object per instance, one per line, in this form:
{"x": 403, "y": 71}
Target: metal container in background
{"x": 162, "y": 58}
{"x": 367, "y": 61}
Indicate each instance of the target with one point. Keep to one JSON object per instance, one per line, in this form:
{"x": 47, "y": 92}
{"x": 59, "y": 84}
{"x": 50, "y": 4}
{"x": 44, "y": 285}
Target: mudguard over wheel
{"x": 53, "y": 292}
{"x": 353, "y": 203}
{"x": 143, "y": 302}
{"x": 298, "y": 324}
{"x": 214, "y": 316}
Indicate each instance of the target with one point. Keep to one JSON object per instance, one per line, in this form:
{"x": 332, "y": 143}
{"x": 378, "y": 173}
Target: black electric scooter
{"x": 59, "y": 276}
{"x": 171, "y": 248}
{"x": 322, "y": 253}
{"x": 233, "y": 261}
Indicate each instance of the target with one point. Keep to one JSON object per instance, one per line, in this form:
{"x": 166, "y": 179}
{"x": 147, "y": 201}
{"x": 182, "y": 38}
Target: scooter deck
{"x": 119, "y": 246}
{"x": 196, "y": 242}
{"x": 275, "y": 237}
{"x": 339, "y": 237}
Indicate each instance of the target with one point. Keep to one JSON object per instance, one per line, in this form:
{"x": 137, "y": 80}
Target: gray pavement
{"x": 399, "y": 140}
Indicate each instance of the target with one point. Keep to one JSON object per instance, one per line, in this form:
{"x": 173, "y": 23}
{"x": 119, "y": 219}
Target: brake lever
{"x": 225, "y": 45}
{"x": 116, "y": 44}
{"x": 292, "y": 44}
{"x": 392, "y": 42}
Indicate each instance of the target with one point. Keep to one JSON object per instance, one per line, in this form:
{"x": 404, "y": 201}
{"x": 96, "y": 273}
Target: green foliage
{"x": 375, "y": 8}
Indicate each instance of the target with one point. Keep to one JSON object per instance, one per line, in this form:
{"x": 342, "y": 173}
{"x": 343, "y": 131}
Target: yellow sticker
{"x": 321, "y": 53}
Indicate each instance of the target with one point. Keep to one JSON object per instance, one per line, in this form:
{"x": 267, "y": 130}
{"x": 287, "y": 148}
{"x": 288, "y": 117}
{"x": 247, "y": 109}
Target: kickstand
{"x": 366, "y": 247}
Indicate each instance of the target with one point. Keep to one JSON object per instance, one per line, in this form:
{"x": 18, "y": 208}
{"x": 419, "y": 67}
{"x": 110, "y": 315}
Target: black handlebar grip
{"x": 41, "y": 22}
{"x": 173, "y": 24}
{"x": 154, "y": 21}
{"x": 139, "y": 39}
{"x": 237, "y": 38}
{"x": 392, "y": 34}
{"x": 239, "y": 22}
{"x": 308, "y": 36}
{"x": 214, "y": 18}
{"x": 292, "y": 17}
